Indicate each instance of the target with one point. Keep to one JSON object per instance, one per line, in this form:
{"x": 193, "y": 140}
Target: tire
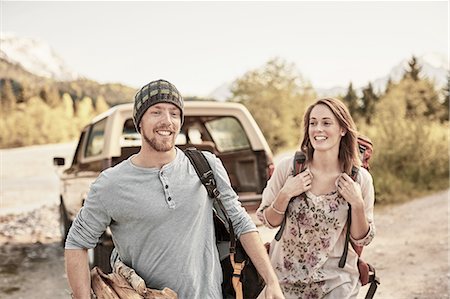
{"x": 100, "y": 255}
{"x": 64, "y": 222}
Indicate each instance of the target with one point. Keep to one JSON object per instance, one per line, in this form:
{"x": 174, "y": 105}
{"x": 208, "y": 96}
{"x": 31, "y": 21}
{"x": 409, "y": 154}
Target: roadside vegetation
{"x": 408, "y": 122}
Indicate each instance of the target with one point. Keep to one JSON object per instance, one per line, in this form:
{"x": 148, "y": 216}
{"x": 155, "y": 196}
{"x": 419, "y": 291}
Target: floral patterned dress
{"x": 306, "y": 257}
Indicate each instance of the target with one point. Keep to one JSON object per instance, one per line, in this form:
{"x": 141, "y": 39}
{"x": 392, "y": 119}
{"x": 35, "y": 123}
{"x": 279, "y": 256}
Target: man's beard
{"x": 159, "y": 146}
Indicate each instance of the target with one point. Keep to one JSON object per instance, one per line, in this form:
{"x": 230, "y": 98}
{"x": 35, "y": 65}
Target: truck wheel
{"x": 64, "y": 222}
{"x": 100, "y": 256}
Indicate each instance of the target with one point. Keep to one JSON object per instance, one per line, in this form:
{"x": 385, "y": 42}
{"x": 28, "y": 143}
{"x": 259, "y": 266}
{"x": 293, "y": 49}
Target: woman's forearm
{"x": 359, "y": 227}
{"x": 275, "y": 212}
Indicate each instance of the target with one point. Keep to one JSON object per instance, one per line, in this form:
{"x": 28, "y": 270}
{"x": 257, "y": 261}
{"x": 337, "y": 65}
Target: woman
{"x": 306, "y": 257}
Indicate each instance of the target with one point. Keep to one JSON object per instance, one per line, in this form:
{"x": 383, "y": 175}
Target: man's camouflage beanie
{"x": 159, "y": 91}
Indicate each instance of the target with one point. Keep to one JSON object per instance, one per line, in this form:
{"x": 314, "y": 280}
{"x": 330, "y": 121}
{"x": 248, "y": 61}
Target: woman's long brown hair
{"x": 348, "y": 148}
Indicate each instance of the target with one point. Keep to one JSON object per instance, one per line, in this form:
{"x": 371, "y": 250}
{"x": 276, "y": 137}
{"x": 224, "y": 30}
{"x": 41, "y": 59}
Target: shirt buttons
{"x": 167, "y": 186}
{"x": 169, "y": 199}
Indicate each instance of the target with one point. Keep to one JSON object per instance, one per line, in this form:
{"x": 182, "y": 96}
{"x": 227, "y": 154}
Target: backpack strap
{"x": 206, "y": 176}
{"x": 349, "y": 222}
{"x": 347, "y": 238}
{"x": 297, "y": 167}
{"x": 374, "y": 282}
{"x": 204, "y": 171}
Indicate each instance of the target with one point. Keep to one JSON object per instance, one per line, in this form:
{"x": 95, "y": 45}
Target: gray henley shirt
{"x": 161, "y": 223}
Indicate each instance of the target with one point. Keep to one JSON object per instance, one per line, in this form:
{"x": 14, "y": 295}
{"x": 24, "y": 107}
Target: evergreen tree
{"x": 101, "y": 105}
{"x": 369, "y": 100}
{"x": 445, "y": 104}
{"x": 351, "y": 100}
{"x": 413, "y": 70}
{"x": 84, "y": 110}
{"x": 50, "y": 95}
{"x": 389, "y": 85}
{"x": 420, "y": 99}
{"x": 67, "y": 106}
{"x": 27, "y": 93}
{"x": 8, "y": 98}
{"x": 17, "y": 89}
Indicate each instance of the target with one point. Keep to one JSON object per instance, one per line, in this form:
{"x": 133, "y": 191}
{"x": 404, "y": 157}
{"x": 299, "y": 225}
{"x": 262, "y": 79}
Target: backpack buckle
{"x": 210, "y": 184}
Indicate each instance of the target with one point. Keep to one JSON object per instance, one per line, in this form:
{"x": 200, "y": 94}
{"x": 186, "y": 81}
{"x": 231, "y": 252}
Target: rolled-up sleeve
{"x": 274, "y": 185}
{"x": 367, "y": 189}
{"x": 242, "y": 222}
{"x": 90, "y": 222}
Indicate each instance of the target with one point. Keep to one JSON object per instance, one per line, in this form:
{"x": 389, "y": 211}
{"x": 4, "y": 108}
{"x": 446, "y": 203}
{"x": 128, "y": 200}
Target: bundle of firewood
{"x": 124, "y": 283}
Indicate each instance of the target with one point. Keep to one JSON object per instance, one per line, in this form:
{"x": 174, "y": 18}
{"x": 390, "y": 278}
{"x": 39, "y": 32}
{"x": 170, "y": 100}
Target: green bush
{"x": 411, "y": 155}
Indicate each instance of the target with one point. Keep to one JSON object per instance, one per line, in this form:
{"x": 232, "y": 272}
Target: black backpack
{"x": 240, "y": 277}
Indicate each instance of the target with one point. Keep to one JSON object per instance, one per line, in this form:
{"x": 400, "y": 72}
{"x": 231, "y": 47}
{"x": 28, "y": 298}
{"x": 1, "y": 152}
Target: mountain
{"x": 34, "y": 66}
{"x": 35, "y": 56}
{"x": 222, "y": 92}
{"x": 114, "y": 93}
{"x": 17, "y": 73}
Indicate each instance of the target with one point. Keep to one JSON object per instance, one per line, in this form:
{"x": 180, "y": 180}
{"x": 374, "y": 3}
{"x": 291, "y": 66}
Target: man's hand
{"x": 257, "y": 252}
{"x": 273, "y": 292}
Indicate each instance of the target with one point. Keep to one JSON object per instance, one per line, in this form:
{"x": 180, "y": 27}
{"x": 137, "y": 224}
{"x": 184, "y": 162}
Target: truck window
{"x": 96, "y": 139}
{"x": 77, "y": 154}
{"x": 228, "y": 134}
{"x": 130, "y": 137}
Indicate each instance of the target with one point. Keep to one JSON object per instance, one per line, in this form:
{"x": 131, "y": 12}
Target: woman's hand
{"x": 296, "y": 185}
{"x": 293, "y": 186}
{"x": 349, "y": 189}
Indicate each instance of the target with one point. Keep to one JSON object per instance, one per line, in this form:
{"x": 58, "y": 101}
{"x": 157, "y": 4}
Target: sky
{"x": 199, "y": 46}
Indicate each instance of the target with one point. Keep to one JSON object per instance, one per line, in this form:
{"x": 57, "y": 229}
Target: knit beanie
{"x": 159, "y": 91}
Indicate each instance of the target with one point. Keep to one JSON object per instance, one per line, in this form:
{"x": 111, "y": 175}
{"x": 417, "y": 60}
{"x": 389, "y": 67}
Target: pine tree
{"x": 101, "y": 105}
{"x": 8, "y": 98}
{"x": 445, "y": 104}
{"x": 421, "y": 99}
{"x": 389, "y": 85}
{"x": 413, "y": 70}
{"x": 84, "y": 110}
{"x": 50, "y": 95}
{"x": 17, "y": 88}
{"x": 369, "y": 100}
{"x": 351, "y": 100}
{"x": 67, "y": 106}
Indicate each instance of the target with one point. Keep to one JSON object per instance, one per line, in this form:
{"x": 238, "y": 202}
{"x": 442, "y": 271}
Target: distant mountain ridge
{"x": 36, "y": 57}
{"x": 27, "y": 56}
{"x": 16, "y": 63}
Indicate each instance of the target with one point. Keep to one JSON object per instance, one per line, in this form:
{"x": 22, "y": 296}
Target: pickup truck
{"x": 226, "y": 129}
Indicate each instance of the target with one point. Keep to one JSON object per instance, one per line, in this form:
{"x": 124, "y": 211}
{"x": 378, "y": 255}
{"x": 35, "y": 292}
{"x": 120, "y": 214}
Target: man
{"x": 159, "y": 212}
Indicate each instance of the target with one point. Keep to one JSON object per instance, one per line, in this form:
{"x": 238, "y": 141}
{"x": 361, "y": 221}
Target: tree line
{"x": 38, "y": 110}
{"x": 43, "y": 115}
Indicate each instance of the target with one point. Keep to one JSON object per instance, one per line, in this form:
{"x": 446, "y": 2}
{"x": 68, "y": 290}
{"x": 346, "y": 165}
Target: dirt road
{"x": 410, "y": 250}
